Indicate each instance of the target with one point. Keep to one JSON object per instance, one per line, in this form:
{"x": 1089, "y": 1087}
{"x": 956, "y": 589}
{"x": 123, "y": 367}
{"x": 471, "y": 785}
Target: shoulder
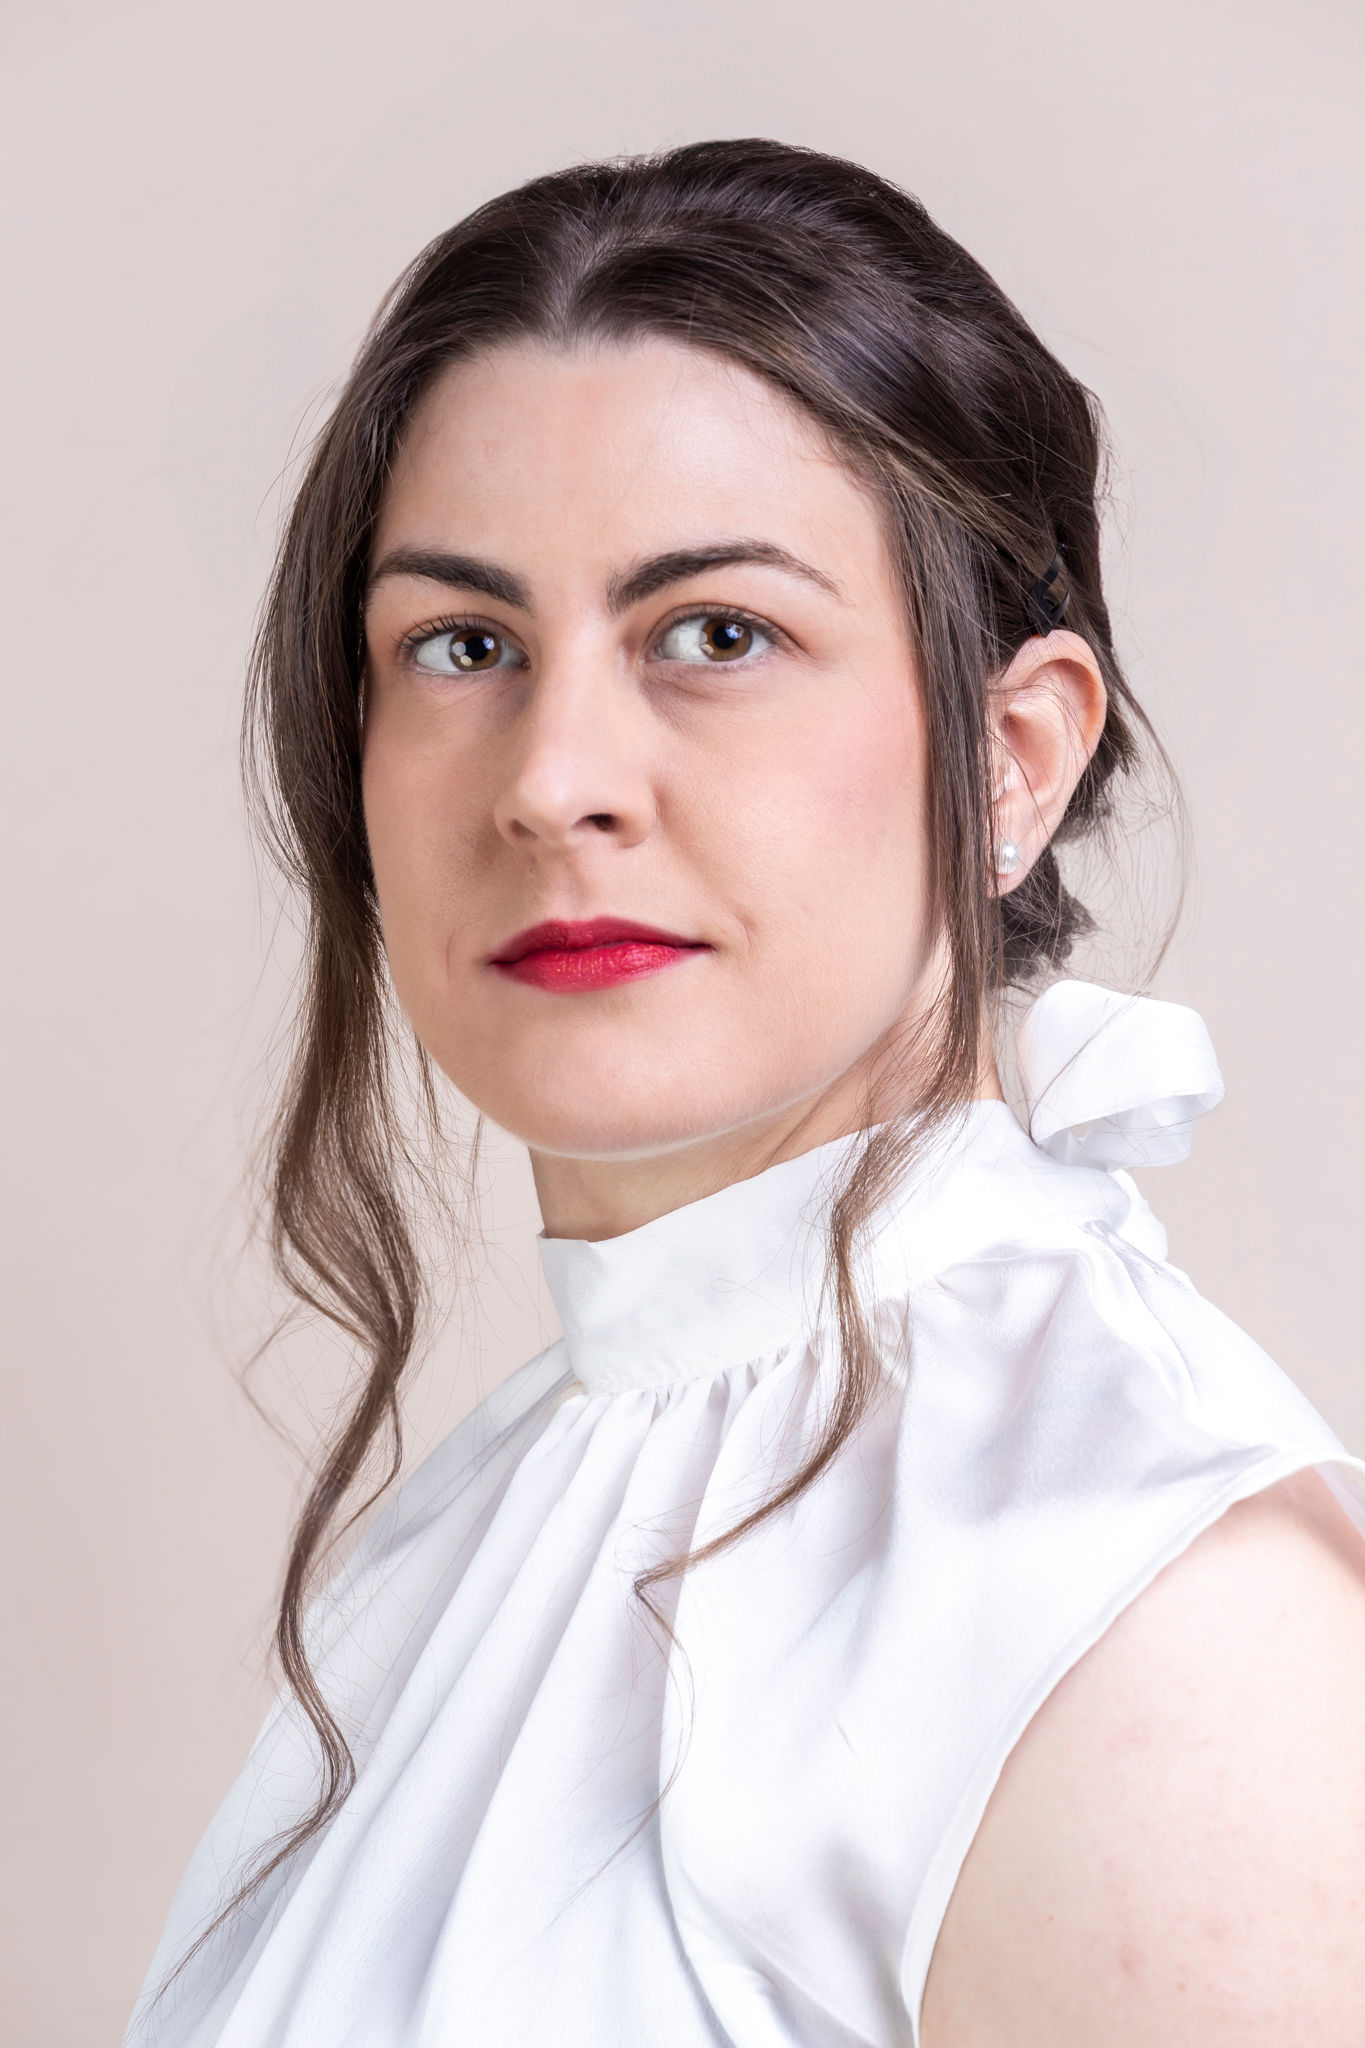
{"x": 1175, "y": 1850}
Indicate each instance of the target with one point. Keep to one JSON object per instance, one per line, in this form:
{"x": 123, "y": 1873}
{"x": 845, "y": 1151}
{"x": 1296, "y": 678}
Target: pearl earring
{"x": 1007, "y": 857}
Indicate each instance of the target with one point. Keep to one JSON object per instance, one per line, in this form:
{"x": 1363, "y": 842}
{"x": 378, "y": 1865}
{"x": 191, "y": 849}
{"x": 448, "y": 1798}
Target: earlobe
{"x": 1050, "y": 707}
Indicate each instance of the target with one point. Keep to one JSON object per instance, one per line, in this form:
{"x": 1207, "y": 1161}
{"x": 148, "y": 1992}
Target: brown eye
{"x": 715, "y": 638}
{"x": 468, "y": 651}
{"x": 726, "y": 639}
{"x": 473, "y": 650}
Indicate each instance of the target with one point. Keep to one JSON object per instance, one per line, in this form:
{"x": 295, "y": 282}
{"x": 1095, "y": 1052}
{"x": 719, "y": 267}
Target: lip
{"x": 599, "y": 952}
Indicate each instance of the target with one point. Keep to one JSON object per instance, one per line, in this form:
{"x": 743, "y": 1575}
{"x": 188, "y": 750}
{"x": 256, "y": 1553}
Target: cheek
{"x": 394, "y": 825}
{"x": 419, "y": 817}
{"x": 843, "y": 818}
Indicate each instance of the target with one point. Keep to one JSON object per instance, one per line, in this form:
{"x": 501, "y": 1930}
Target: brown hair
{"x": 841, "y": 291}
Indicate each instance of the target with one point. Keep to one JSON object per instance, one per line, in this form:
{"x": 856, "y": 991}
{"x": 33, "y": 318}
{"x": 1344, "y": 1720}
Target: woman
{"x": 899, "y": 1610}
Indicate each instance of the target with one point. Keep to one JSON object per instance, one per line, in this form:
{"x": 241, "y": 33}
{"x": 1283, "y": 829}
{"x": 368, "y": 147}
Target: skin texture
{"x": 772, "y": 809}
{"x": 1174, "y": 1852}
{"x": 1174, "y": 1856}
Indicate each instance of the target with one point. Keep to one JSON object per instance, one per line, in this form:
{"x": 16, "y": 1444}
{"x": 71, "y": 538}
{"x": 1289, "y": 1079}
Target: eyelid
{"x": 465, "y": 622}
{"x": 740, "y": 612}
{"x": 452, "y": 622}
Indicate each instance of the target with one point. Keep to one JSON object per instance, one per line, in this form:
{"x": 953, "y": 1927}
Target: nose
{"x": 579, "y": 769}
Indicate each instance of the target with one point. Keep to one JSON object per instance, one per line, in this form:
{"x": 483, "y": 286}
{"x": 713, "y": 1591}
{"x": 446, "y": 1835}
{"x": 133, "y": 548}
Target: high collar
{"x": 736, "y": 1276}
{"x": 729, "y": 1278}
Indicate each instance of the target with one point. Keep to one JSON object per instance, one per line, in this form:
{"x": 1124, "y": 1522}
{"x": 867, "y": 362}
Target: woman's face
{"x": 644, "y": 754}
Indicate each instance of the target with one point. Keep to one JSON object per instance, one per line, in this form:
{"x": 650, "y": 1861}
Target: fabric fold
{"x": 741, "y": 1828}
{"x": 1112, "y": 1080}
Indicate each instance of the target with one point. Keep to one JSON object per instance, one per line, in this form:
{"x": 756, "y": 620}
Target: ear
{"x": 1047, "y": 714}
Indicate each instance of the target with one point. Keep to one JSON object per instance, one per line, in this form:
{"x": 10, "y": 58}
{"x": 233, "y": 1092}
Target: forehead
{"x": 614, "y": 451}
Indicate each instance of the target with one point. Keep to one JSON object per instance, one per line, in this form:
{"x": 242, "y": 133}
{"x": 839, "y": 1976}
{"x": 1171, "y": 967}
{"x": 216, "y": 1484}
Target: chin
{"x": 614, "y": 1107}
{"x": 620, "y": 1124}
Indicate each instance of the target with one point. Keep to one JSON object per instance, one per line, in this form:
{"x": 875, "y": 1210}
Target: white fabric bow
{"x": 1113, "y": 1080}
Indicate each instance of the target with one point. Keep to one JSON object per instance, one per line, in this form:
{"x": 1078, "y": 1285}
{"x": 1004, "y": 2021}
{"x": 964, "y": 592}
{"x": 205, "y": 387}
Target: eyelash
{"x": 736, "y": 612}
{"x": 464, "y": 622}
{"x": 437, "y": 629}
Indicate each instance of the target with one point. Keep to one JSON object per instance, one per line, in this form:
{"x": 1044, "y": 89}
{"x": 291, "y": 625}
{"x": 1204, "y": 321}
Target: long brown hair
{"x": 985, "y": 453}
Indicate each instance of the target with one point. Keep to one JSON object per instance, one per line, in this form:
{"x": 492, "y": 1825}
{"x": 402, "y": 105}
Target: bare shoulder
{"x": 1175, "y": 1852}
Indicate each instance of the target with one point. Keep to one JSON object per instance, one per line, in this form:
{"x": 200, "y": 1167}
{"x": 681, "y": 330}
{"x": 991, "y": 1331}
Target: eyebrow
{"x": 470, "y": 572}
{"x": 680, "y": 564}
{"x": 459, "y": 572}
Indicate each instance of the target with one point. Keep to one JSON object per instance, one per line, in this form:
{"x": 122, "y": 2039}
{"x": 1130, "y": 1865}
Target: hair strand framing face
{"x": 984, "y": 454}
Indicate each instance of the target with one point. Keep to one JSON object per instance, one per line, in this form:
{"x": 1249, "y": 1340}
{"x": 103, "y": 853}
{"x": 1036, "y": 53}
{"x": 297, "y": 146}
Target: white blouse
{"x": 567, "y": 1827}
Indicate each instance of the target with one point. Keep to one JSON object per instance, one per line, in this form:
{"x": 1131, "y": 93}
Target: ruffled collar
{"x": 1108, "y": 1081}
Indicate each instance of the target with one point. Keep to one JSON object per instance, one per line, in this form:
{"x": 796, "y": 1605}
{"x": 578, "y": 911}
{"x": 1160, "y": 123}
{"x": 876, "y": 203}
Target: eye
{"x": 715, "y": 637}
{"x": 467, "y": 650}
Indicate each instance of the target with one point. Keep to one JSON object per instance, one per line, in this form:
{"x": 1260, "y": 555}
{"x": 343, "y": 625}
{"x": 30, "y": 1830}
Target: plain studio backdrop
{"x": 206, "y": 203}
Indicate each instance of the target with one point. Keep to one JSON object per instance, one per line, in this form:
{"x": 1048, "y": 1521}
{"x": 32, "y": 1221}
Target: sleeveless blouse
{"x": 738, "y": 1818}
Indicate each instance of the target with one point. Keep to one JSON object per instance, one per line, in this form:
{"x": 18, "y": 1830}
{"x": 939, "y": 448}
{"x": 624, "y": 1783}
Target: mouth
{"x": 598, "y": 953}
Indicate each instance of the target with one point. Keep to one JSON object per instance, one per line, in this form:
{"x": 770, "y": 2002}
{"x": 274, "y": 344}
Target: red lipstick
{"x": 598, "y": 953}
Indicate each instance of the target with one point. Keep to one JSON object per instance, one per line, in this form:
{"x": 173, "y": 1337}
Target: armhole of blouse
{"x": 1345, "y": 1476}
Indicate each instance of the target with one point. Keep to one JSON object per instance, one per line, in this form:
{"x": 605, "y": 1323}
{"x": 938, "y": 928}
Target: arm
{"x": 1174, "y": 1856}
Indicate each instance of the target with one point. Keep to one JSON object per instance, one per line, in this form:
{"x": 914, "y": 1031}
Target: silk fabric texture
{"x": 571, "y": 1824}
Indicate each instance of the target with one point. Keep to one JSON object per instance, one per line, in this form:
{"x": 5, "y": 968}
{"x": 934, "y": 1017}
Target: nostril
{"x": 605, "y": 821}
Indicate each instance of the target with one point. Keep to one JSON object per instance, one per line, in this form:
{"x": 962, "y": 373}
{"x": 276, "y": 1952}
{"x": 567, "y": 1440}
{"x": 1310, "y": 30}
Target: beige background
{"x": 206, "y": 203}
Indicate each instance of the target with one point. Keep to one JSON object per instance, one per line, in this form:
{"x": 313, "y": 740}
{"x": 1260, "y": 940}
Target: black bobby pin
{"x": 1046, "y": 612}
